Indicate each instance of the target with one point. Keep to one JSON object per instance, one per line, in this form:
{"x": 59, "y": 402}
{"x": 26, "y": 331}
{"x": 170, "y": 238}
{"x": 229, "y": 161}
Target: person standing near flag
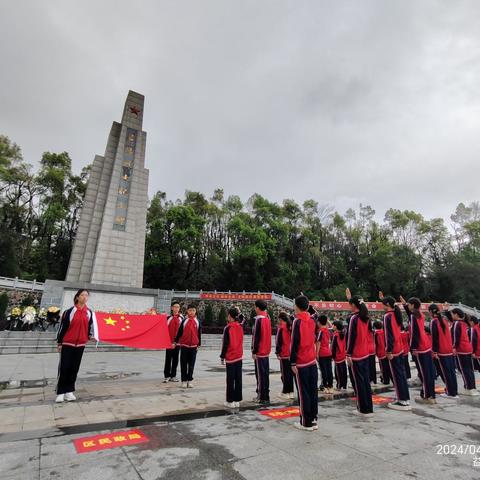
{"x": 171, "y": 354}
{"x": 188, "y": 339}
{"x": 76, "y": 329}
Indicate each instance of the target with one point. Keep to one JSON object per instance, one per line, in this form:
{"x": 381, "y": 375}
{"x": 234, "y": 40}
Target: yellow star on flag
{"x": 110, "y": 321}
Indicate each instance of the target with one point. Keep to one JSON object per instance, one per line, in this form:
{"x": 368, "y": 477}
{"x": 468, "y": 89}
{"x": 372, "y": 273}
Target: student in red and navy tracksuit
{"x": 359, "y": 330}
{"x": 421, "y": 347}
{"x": 304, "y": 365}
{"x": 442, "y": 349}
{"x": 463, "y": 349}
{"x": 171, "y": 354}
{"x": 475, "y": 342}
{"x": 282, "y": 350}
{"x": 261, "y": 348}
{"x": 339, "y": 354}
{"x": 324, "y": 354}
{"x": 76, "y": 329}
{"x": 372, "y": 363}
{"x": 406, "y": 350}
{"x": 232, "y": 355}
{"x": 381, "y": 353}
{"x": 189, "y": 338}
{"x": 394, "y": 348}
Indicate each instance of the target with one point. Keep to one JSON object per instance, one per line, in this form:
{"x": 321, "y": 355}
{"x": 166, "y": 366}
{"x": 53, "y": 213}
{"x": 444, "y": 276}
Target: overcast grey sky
{"x": 346, "y": 102}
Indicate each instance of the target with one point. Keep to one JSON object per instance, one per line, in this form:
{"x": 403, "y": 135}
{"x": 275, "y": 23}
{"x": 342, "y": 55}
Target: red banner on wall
{"x": 235, "y": 296}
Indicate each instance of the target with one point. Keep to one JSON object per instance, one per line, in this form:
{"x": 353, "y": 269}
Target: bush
{"x": 222, "y": 316}
{"x": 208, "y": 315}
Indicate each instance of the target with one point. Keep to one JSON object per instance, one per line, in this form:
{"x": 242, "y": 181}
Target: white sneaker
{"x": 471, "y": 393}
{"x": 189, "y": 384}
{"x": 184, "y": 385}
{"x": 237, "y": 404}
{"x": 70, "y": 397}
{"x": 230, "y": 404}
{"x": 399, "y": 406}
{"x": 166, "y": 380}
{"x": 284, "y": 396}
{"x": 291, "y": 395}
{"x": 173, "y": 379}
{"x": 301, "y": 427}
{"x": 60, "y": 398}
{"x": 446, "y": 395}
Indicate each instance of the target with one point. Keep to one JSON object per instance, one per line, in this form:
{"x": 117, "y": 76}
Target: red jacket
{"x": 323, "y": 339}
{"x": 262, "y": 336}
{"x": 461, "y": 342}
{"x": 393, "y": 335}
{"x": 371, "y": 344}
{"x": 282, "y": 342}
{"x": 173, "y": 323}
{"x": 405, "y": 341}
{"x": 441, "y": 341}
{"x": 339, "y": 349}
{"x": 380, "y": 344}
{"x": 357, "y": 342}
{"x": 476, "y": 340}
{"x": 232, "y": 344}
{"x": 76, "y": 327}
{"x": 419, "y": 340}
{"x": 189, "y": 333}
{"x": 302, "y": 350}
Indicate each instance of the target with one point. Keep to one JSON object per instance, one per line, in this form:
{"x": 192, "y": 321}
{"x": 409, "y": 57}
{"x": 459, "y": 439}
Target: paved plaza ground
{"x": 191, "y": 435}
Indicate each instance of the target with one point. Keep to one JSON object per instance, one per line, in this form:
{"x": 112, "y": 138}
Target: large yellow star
{"x": 110, "y": 321}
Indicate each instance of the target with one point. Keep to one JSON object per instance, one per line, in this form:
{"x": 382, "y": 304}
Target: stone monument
{"x": 110, "y": 241}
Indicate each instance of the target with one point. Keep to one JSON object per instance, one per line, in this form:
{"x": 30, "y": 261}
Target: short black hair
{"x": 302, "y": 302}
{"x": 261, "y": 304}
{"x": 234, "y": 312}
{"x": 323, "y": 319}
{"x": 191, "y": 305}
{"x": 175, "y": 303}
{"x": 378, "y": 325}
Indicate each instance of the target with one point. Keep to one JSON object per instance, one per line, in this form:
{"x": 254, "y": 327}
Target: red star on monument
{"x": 135, "y": 110}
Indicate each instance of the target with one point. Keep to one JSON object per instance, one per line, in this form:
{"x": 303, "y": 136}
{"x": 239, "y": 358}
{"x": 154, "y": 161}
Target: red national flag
{"x": 139, "y": 331}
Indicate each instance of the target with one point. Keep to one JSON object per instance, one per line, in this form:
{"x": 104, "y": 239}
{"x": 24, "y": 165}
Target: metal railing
{"x": 18, "y": 284}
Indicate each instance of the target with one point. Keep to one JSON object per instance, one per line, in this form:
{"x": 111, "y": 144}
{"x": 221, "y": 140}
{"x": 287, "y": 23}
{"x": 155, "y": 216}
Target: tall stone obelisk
{"x": 110, "y": 241}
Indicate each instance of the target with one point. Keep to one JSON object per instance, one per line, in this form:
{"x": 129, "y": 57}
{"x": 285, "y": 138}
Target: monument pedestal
{"x": 107, "y": 297}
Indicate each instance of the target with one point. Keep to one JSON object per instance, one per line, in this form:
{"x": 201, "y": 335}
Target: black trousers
{"x": 307, "y": 379}
{"x": 426, "y": 373}
{"x": 262, "y": 374}
{"x": 341, "y": 374}
{"x": 171, "y": 362}
{"x": 406, "y": 364}
{"x": 363, "y": 390}
{"x": 476, "y": 364}
{"x": 70, "y": 359}
{"x": 466, "y": 369}
{"x": 350, "y": 375}
{"x": 399, "y": 377}
{"x": 187, "y": 363}
{"x": 286, "y": 375}
{"x": 234, "y": 381}
{"x": 447, "y": 368}
{"x": 372, "y": 368}
{"x": 325, "y": 364}
{"x": 385, "y": 369}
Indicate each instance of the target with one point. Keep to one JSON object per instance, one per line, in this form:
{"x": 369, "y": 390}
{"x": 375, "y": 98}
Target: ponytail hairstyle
{"x": 459, "y": 312}
{"x": 338, "y": 324}
{"x": 285, "y": 317}
{"x": 378, "y": 325}
{"x": 390, "y": 302}
{"x": 435, "y": 313}
{"x": 474, "y": 320}
{"x": 416, "y": 306}
{"x": 448, "y": 315}
{"x": 234, "y": 312}
{"x": 362, "y": 308}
